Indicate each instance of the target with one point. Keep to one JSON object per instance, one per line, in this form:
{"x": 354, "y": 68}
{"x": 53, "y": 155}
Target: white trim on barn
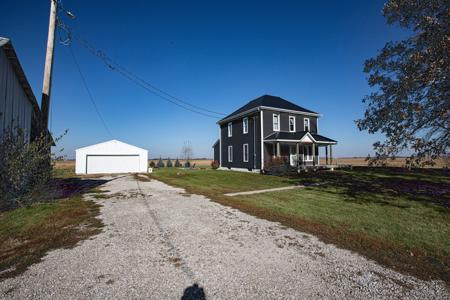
{"x": 111, "y": 157}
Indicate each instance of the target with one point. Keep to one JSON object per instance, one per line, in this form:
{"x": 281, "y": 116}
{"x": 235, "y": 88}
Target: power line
{"x": 83, "y": 79}
{"x": 143, "y": 83}
{"x": 135, "y": 78}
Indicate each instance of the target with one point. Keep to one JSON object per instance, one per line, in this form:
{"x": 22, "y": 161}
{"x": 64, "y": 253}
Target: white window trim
{"x": 245, "y": 125}
{"x": 273, "y": 122}
{"x": 230, "y": 153}
{"x": 295, "y": 125}
{"x": 230, "y": 129}
{"x": 243, "y": 152}
{"x": 309, "y": 124}
{"x": 307, "y": 156}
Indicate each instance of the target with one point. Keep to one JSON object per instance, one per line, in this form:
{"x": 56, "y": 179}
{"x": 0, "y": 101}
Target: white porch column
{"x": 297, "y": 151}
{"x": 278, "y": 149}
{"x": 314, "y": 153}
{"x": 331, "y": 154}
{"x": 326, "y": 155}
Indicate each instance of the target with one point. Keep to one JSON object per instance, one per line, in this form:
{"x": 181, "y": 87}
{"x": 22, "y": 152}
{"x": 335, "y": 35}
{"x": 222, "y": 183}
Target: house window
{"x": 306, "y": 124}
{"x": 276, "y": 122}
{"x": 230, "y": 129}
{"x": 307, "y": 153}
{"x": 245, "y": 153}
{"x": 230, "y": 153}
{"x": 245, "y": 125}
{"x": 292, "y": 123}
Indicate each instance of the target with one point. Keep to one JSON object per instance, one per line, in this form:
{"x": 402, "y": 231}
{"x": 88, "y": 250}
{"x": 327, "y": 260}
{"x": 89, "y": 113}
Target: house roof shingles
{"x": 268, "y": 101}
{"x": 296, "y": 136}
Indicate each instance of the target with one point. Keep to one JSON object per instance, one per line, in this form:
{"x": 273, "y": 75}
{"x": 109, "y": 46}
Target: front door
{"x": 292, "y": 155}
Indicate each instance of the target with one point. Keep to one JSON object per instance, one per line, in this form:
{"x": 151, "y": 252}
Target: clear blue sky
{"x": 216, "y": 55}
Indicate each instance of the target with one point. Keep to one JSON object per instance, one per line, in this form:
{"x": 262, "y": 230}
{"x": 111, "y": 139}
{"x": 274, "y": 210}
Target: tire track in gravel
{"x": 173, "y": 252}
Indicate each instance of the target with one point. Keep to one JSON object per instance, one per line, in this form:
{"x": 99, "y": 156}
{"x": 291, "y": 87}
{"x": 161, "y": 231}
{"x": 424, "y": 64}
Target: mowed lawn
{"x": 399, "y": 218}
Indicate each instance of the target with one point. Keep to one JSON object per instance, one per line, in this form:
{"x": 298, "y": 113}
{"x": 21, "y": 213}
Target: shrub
{"x": 169, "y": 163}
{"x": 278, "y": 166}
{"x": 215, "y": 164}
{"x": 187, "y": 164}
{"x": 160, "y": 163}
{"x": 26, "y": 168}
{"x": 152, "y": 164}
{"x": 177, "y": 164}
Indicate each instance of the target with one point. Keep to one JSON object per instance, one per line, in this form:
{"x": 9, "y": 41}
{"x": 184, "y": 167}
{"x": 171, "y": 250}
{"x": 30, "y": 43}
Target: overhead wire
{"x": 112, "y": 65}
{"x": 143, "y": 83}
{"x": 83, "y": 79}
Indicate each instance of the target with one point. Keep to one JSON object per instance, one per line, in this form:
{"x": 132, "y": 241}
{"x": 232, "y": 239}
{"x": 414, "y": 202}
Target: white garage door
{"x": 96, "y": 164}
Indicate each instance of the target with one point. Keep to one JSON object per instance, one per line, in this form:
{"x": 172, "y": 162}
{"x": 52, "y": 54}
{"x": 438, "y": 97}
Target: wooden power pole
{"x": 48, "y": 69}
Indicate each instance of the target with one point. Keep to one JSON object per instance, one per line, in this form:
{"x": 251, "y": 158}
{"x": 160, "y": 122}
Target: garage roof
{"x": 112, "y": 143}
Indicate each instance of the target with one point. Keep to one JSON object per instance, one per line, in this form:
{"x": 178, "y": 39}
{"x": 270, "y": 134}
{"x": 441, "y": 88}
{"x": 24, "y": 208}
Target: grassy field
{"x": 400, "y": 219}
{"x": 60, "y": 221}
{"x": 69, "y": 165}
{"x": 398, "y": 162}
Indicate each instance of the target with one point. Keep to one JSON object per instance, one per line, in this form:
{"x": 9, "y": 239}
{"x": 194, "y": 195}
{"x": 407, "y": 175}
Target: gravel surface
{"x": 158, "y": 242}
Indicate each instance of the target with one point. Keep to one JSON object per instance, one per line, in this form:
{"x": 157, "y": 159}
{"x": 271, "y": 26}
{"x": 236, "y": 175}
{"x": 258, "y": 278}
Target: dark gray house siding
{"x": 238, "y": 140}
{"x": 284, "y": 122}
{"x": 216, "y": 148}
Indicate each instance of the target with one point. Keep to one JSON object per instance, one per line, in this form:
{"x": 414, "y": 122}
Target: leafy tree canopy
{"x": 411, "y": 104}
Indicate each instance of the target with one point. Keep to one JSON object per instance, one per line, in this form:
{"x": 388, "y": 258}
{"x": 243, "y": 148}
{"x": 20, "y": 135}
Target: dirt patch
{"x": 69, "y": 222}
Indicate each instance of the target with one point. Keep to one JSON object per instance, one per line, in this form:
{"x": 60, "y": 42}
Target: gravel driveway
{"x": 158, "y": 242}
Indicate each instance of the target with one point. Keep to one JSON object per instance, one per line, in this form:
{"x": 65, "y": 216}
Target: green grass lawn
{"x": 398, "y": 218}
{"x": 59, "y": 221}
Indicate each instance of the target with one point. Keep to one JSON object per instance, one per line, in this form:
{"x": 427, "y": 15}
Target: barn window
{"x": 230, "y": 129}
{"x": 230, "y": 153}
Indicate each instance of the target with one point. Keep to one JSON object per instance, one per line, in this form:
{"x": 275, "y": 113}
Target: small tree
{"x": 25, "y": 168}
{"x": 169, "y": 163}
{"x": 160, "y": 163}
{"x": 152, "y": 164}
{"x": 187, "y": 153}
{"x": 177, "y": 163}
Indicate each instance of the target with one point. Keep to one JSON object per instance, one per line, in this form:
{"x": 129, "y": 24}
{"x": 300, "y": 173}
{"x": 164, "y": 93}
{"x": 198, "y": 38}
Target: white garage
{"x": 111, "y": 157}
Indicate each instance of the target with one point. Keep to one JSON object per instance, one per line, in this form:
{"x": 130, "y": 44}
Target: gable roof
{"x": 297, "y": 136}
{"x": 268, "y": 101}
{"x": 111, "y": 143}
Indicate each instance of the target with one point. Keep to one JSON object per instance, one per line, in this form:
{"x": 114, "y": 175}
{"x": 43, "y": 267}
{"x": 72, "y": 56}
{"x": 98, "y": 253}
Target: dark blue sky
{"x": 218, "y": 55}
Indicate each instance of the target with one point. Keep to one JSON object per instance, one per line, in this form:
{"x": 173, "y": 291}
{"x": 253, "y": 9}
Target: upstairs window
{"x": 230, "y": 129}
{"x": 276, "y": 122}
{"x": 306, "y": 124}
{"x": 292, "y": 123}
{"x": 245, "y": 125}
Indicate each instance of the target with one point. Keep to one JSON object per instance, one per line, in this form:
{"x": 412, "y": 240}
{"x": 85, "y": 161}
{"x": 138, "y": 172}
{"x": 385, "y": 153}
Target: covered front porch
{"x": 300, "y": 150}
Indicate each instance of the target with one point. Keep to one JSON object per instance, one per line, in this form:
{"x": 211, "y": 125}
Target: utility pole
{"x": 48, "y": 69}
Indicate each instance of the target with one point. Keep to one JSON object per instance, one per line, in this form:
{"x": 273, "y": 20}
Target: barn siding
{"x": 15, "y": 107}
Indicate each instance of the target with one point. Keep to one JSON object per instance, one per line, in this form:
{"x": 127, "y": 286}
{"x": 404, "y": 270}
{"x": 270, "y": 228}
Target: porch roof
{"x": 298, "y": 136}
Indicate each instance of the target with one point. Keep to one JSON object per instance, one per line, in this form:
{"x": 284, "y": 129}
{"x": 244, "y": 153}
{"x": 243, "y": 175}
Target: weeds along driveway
{"x": 158, "y": 242}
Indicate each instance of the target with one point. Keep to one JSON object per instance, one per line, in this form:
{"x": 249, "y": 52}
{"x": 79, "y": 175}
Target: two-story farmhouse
{"x": 269, "y": 127}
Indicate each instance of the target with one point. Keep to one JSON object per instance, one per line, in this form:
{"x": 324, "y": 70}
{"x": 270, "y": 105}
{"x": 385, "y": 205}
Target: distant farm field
{"x": 398, "y": 162}
{"x": 68, "y": 165}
